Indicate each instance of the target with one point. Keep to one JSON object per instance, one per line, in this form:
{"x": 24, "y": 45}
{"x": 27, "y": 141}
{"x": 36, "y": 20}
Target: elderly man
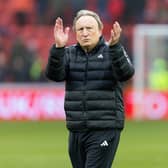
{"x": 93, "y": 71}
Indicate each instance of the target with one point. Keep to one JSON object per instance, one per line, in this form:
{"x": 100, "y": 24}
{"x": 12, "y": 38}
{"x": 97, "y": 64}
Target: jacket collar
{"x": 97, "y": 47}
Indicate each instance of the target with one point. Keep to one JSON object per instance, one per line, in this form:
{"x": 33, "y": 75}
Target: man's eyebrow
{"x": 85, "y": 27}
{"x": 80, "y": 28}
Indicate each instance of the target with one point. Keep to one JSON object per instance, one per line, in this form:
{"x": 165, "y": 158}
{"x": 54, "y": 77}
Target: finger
{"x": 112, "y": 35}
{"x": 59, "y": 24}
{"x": 117, "y": 27}
{"x": 67, "y": 30}
{"x": 117, "y": 31}
{"x": 56, "y": 27}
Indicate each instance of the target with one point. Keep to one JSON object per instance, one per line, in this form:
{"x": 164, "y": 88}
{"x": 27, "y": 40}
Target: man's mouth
{"x": 85, "y": 40}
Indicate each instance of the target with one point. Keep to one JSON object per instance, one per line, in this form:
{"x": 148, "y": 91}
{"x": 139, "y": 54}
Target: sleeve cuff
{"x": 117, "y": 45}
{"x": 57, "y": 51}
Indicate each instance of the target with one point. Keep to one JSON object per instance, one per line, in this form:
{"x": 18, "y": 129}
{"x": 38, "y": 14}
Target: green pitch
{"x": 44, "y": 145}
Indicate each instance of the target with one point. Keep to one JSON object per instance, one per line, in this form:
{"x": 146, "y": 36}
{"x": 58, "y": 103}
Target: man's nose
{"x": 85, "y": 32}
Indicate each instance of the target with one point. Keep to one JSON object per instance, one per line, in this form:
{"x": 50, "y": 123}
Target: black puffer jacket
{"x": 93, "y": 97}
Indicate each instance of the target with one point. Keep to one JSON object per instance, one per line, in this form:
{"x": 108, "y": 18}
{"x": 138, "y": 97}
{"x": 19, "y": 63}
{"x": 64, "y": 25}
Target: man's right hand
{"x": 61, "y": 36}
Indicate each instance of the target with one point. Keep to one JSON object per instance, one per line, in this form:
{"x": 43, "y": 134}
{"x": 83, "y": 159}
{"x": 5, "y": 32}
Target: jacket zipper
{"x": 84, "y": 89}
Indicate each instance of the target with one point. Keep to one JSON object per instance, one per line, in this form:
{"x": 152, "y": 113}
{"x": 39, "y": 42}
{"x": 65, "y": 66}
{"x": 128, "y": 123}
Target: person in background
{"x": 4, "y": 70}
{"x": 94, "y": 71}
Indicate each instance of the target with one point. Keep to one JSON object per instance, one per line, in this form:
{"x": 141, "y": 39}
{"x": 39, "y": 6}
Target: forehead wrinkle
{"x": 86, "y": 21}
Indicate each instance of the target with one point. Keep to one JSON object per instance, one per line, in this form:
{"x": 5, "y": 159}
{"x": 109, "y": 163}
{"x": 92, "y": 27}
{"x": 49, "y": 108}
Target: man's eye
{"x": 81, "y": 29}
{"x": 86, "y": 28}
{"x": 89, "y": 28}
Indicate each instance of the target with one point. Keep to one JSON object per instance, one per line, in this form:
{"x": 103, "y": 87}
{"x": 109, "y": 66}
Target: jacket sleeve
{"x": 55, "y": 69}
{"x": 122, "y": 65}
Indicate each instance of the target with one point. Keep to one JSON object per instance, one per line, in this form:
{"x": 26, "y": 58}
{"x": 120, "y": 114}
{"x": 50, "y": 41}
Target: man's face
{"x": 87, "y": 32}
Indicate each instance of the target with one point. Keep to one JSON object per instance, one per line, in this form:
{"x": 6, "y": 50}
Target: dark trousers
{"x": 93, "y": 149}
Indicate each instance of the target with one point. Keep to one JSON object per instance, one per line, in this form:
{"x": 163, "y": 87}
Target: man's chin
{"x": 86, "y": 44}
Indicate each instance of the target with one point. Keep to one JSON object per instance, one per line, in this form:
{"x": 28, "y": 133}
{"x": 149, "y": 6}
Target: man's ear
{"x": 100, "y": 32}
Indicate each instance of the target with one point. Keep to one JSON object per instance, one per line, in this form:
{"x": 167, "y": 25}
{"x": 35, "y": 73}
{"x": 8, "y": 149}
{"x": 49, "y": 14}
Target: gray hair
{"x": 88, "y": 13}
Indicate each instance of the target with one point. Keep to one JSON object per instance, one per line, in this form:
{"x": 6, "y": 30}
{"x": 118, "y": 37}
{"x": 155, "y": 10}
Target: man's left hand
{"x": 115, "y": 34}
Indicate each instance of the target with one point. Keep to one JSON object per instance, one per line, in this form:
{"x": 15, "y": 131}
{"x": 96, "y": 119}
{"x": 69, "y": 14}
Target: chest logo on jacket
{"x": 100, "y": 56}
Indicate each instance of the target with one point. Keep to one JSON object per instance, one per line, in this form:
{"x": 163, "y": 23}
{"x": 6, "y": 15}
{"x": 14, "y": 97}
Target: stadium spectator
{"x": 94, "y": 72}
{"x": 21, "y": 61}
{"x": 158, "y": 75}
{"x": 133, "y": 12}
{"x": 115, "y": 9}
{"x": 156, "y": 11}
{"x": 77, "y": 5}
{"x": 102, "y": 9}
{"x": 41, "y": 7}
{"x": 91, "y": 5}
{"x": 163, "y": 12}
{"x": 22, "y": 11}
{"x": 4, "y": 71}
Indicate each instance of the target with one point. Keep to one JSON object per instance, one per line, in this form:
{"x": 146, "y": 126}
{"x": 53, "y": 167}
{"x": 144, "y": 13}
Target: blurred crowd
{"x": 26, "y": 29}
